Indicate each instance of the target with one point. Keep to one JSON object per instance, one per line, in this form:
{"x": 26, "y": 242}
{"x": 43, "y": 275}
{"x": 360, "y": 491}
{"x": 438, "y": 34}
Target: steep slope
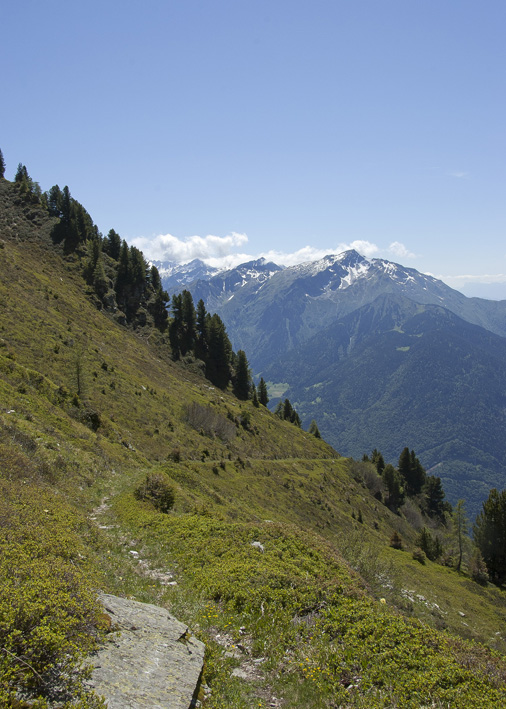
{"x": 396, "y": 371}
{"x": 252, "y": 553}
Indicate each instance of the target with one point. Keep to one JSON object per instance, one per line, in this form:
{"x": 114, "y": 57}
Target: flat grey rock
{"x": 149, "y": 660}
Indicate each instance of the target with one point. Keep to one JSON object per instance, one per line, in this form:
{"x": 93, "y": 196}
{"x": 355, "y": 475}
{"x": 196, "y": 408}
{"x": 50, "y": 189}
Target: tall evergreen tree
{"x": 434, "y": 503}
{"x": 241, "y": 380}
{"x": 158, "y": 309}
{"x": 394, "y": 484}
{"x": 154, "y": 278}
{"x": 54, "y": 201}
{"x": 112, "y": 245}
{"x": 2, "y": 165}
{"x": 187, "y": 338}
{"x": 123, "y": 275}
{"x": 219, "y": 351}
{"x": 412, "y": 471}
{"x": 263, "y": 397}
{"x": 201, "y": 332}
{"x": 460, "y": 530}
{"x": 490, "y": 534}
{"x": 378, "y": 460}
{"x": 176, "y": 325}
{"x": 313, "y": 429}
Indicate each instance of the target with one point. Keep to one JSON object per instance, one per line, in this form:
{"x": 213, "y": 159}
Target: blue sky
{"x": 233, "y": 129}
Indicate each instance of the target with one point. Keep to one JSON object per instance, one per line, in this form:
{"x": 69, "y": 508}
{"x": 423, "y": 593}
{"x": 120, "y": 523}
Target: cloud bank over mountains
{"x": 231, "y": 250}
{"x": 227, "y": 251}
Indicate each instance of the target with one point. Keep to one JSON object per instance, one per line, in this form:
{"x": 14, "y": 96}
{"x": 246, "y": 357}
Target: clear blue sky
{"x": 294, "y": 127}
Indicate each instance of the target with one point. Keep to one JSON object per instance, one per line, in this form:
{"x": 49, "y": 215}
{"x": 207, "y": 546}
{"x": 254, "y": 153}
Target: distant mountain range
{"x": 379, "y": 354}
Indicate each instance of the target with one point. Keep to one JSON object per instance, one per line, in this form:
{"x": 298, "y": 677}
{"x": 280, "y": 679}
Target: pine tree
{"x": 112, "y": 245}
{"x": 219, "y": 352}
{"x": 154, "y": 278}
{"x": 412, "y": 471}
{"x": 263, "y": 397}
{"x": 434, "y": 503}
{"x": 460, "y": 529}
{"x": 188, "y": 316}
{"x": 287, "y": 410}
{"x": 158, "y": 309}
{"x": 54, "y": 201}
{"x": 394, "y": 485}
{"x": 201, "y": 334}
{"x": 490, "y": 534}
{"x": 378, "y": 460}
{"x": 2, "y": 165}
{"x": 241, "y": 380}
{"x": 313, "y": 429}
{"x": 176, "y": 325}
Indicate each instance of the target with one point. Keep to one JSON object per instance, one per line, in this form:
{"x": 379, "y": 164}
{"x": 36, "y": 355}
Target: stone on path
{"x": 149, "y": 660}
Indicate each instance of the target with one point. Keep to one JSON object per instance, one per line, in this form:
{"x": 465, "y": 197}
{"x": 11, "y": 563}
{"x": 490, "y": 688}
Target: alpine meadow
{"x": 139, "y": 458}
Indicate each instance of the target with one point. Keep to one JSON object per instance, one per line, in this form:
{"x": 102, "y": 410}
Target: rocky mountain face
{"x": 216, "y": 287}
{"x": 176, "y": 276}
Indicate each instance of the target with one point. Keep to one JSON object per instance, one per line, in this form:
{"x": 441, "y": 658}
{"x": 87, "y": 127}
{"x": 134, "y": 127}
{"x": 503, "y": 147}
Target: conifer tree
{"x": 241, "y": 381}
{"x": 201, "y": 332}
{"x": 490, "y": 534}
{"x": 188, "y": 318}
{"x": 313, "y": 429}
{"x": 158, "y": 309}
{"x": 287, "y": 410}
{"x": 412, "y": 471}
{"x": 460, "y": 529}
{"x": 434, "y": 503}
{"x": 154, "y": 278}
{"x": 112, "y": 245}
{"x": 176, "y": 325}
{"x": 263, "y": 397}
{"x": 394, "y": 485}
{"x": 378, "y": 460}
{"x": 122, "y": 275}
{"x": 2, "y": 165}
{"x": 219, "y": 351}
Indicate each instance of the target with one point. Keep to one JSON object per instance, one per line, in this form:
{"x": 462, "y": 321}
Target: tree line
{"x": 410, "y": 480}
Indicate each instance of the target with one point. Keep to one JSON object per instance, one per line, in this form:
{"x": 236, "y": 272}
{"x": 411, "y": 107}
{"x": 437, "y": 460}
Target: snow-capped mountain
{"x": 176, "y": 276}
{"x": 269, "y": 309}
{"x": 222, "y": 286}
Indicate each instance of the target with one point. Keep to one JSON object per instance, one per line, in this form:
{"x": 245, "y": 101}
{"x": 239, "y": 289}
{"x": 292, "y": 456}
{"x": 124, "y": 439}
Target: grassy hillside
{"x": 299, "y": 602}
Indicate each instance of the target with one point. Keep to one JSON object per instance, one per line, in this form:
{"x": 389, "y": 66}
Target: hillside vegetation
{"x": 272, "y": 547}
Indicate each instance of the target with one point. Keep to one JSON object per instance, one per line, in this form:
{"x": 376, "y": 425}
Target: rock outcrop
{"x": 150, "y": 658}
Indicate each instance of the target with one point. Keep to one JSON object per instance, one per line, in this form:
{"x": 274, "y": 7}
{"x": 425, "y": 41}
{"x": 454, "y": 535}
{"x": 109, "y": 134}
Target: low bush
{"x": 157, "y": 489}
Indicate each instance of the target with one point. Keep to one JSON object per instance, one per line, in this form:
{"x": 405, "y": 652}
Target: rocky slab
{"x": 149, "y": 660}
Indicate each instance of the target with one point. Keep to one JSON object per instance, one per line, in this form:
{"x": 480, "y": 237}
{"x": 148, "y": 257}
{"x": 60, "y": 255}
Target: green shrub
{"x": 49, "y": 614}
{"x": 419, "y": 555}
{"x": 396, "y": 541}
{"x": 478, "y": 568}
{"x": 157, "y": 489}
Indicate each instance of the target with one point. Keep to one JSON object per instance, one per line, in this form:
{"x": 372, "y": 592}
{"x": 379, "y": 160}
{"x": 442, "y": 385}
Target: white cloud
{"x": 167, "y": 247}
{"x": 220, "y": 251}
{"x": 399, "y": 250}
{"x": 459, "y": 174}
{"x": 459, "y": 281}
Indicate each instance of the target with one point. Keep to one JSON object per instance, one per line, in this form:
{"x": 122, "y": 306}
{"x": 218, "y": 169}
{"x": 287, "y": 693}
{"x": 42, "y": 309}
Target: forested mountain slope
{"x": 396, "y": 371}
